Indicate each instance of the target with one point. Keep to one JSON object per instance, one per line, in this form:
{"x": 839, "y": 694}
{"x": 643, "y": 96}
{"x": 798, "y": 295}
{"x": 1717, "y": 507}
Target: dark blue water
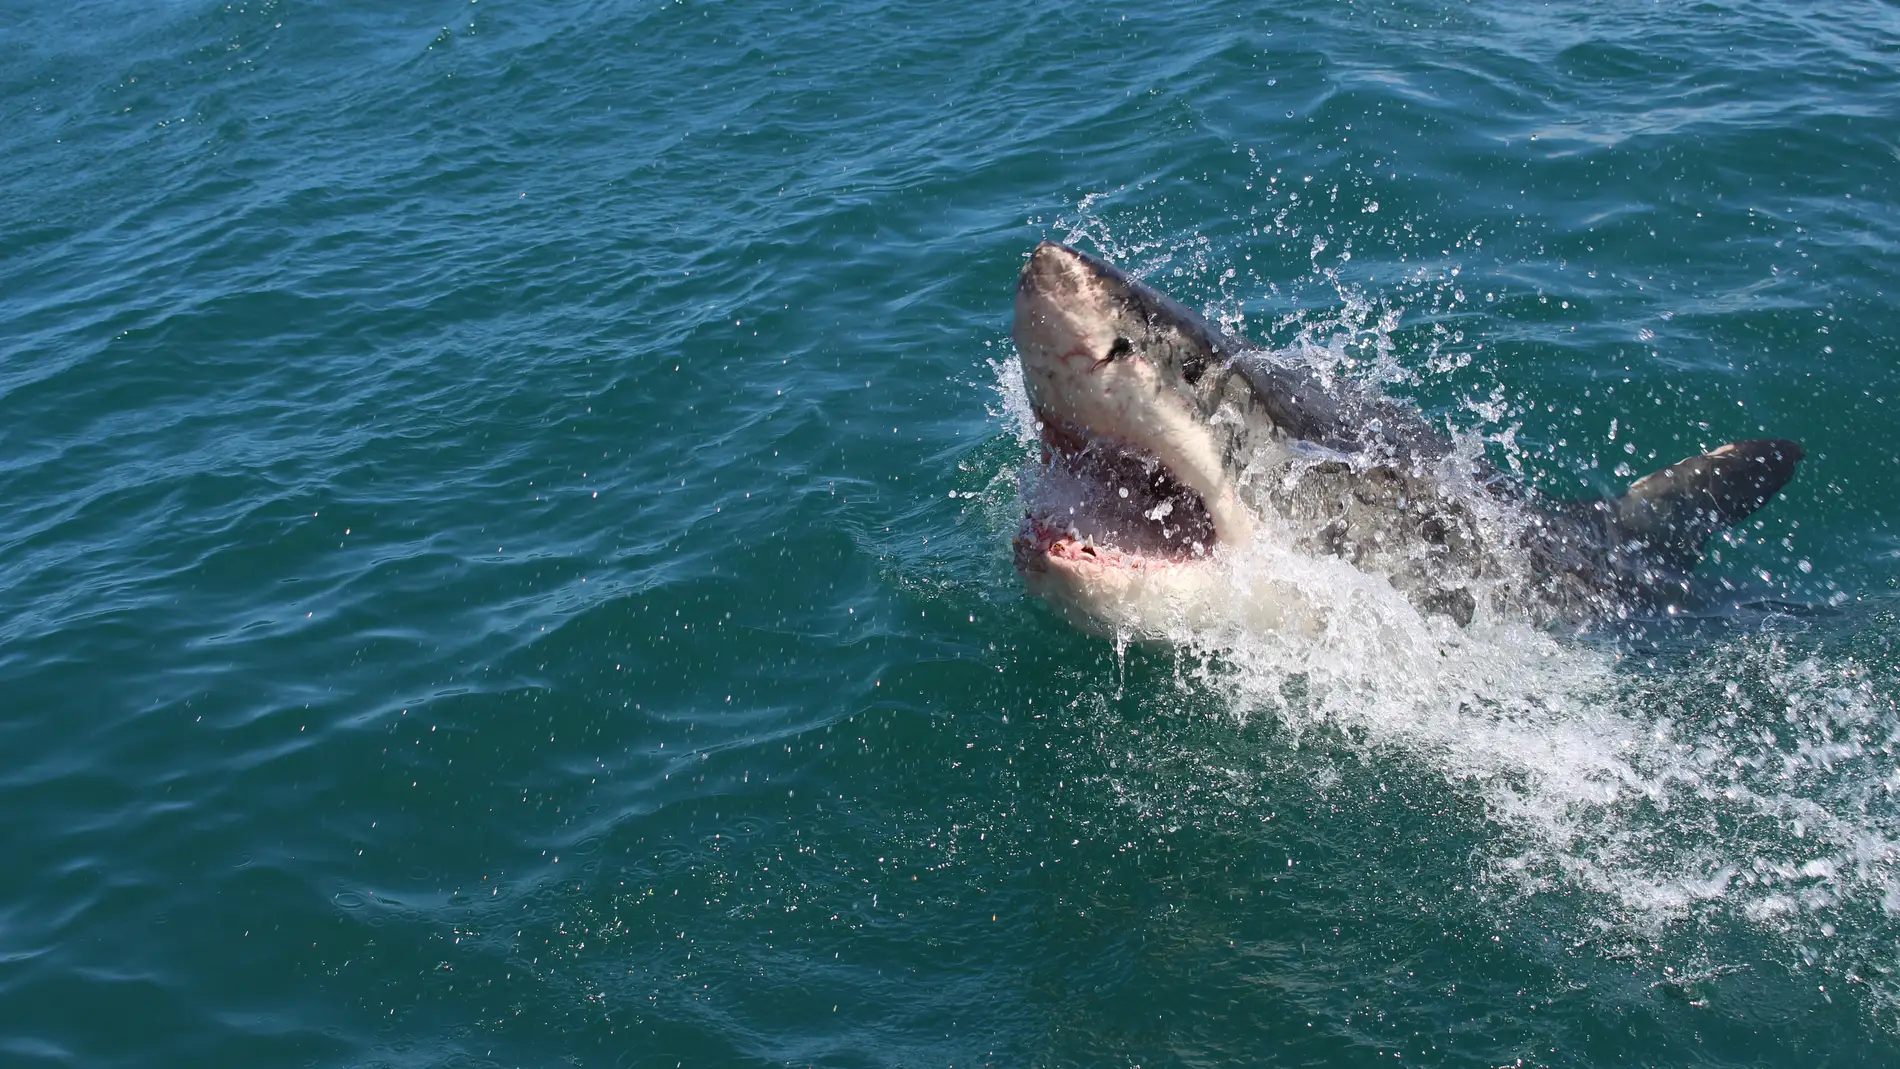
{"x": 505, "y": 547}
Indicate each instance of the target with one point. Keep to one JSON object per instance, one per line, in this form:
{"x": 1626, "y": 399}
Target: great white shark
{"x": 1170, "y": 445}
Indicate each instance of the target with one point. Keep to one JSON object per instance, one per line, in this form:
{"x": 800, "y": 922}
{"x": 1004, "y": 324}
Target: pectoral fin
{"x": 1671, "y": 513}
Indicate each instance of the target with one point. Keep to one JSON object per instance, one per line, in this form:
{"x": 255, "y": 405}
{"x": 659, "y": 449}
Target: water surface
{"x": 506, "y": 558}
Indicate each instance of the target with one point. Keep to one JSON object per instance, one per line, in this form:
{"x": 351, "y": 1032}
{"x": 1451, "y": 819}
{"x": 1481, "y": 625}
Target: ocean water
{"x": 504, "y": 557}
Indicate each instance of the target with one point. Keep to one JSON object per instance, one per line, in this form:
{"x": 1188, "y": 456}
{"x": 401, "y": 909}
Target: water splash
{"x": 1698, "y": 779}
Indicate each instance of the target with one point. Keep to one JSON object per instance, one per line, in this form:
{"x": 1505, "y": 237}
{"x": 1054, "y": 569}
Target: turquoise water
{"x": 505, "y": 558}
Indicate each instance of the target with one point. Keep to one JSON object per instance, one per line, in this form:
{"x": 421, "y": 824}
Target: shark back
{"x": 1344, "y": 416}
{"x": 1383, "y": 490}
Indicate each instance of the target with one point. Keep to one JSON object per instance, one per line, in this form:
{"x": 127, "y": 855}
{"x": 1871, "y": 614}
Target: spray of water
{"x": 1741, "y": 777}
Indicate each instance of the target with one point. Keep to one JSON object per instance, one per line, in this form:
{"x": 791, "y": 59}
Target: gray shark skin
{"x": 1169, "y": 443}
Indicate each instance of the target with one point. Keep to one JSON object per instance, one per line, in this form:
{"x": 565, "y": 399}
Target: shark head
{"x": 1139, "y": 489}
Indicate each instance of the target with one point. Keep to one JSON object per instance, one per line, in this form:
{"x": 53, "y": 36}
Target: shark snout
{"x": 1054, "y": 273}
{"x": 1067, "y": 305}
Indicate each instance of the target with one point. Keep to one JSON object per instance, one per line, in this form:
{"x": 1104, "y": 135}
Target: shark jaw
{"x": 1134, "y": 499}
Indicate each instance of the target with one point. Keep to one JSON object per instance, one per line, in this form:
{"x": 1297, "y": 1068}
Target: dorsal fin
{"x": 1672, "y": 512}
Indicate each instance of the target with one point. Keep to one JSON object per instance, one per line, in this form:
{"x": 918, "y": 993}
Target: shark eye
{"x": 1194, "y": 364}
{"x": 1121, "y": 347}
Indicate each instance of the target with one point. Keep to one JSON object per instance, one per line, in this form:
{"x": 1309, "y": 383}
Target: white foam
{"x": 1735, "y": 782}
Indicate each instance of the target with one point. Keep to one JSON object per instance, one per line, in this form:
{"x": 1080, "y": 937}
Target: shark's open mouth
{"x": 1099, "y": 502}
